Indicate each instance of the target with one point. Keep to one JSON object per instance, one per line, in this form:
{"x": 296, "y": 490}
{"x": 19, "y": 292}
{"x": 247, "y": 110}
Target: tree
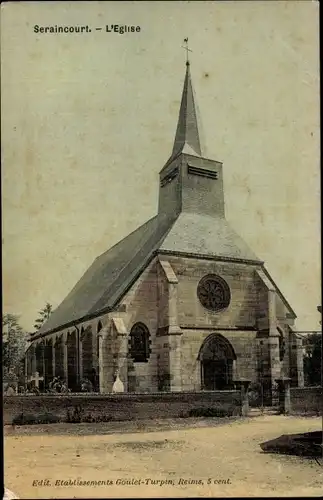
{"x": 43, "y": 316}
{"x": 14, "y": 341}
{"x": 312, "y": 359}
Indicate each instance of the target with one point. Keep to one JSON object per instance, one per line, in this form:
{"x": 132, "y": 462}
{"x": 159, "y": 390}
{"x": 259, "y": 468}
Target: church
{"x": 180, "y": 304}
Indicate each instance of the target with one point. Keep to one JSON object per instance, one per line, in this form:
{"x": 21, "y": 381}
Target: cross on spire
{"x": 187, "y": 50}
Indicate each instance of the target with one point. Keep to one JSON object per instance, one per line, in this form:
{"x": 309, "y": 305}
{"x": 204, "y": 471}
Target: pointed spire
{"x": 187, "y": 138}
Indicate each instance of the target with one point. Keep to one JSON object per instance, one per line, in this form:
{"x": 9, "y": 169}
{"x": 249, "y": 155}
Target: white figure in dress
{"x": 118, "y": 384}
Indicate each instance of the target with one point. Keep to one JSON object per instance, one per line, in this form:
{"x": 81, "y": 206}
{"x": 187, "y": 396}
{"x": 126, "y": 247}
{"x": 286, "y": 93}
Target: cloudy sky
{"x": 88, "y": 121}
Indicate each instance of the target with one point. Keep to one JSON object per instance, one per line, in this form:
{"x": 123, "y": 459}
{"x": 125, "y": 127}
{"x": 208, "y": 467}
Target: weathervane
{"x": 187, "y": 50}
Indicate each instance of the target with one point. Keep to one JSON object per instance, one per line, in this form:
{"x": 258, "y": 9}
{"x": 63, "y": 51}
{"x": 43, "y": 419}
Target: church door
{"x": 216, "y": 358}
{"x": 215, "y": 375}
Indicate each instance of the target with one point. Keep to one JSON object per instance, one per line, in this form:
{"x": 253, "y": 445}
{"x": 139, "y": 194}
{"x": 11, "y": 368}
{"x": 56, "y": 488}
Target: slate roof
{"x": 101, "y": 276}
{"x": 206, "y": 235}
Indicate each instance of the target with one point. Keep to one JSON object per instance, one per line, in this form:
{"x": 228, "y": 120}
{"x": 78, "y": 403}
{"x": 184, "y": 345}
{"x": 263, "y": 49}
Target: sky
{"x": 88, "y": 121}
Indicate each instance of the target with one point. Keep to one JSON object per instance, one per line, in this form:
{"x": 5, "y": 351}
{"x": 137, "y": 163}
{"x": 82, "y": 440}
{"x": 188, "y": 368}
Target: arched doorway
{"x": 216, "y": 357}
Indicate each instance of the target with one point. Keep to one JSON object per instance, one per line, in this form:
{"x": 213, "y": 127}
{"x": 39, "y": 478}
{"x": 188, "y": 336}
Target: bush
{"x": 89, "y": 418}
{"x": 183, "y": 414}
{"x": 75, "y": 416}
{"x": 86, "y": 385}
{"x": 217, "y": 411}
{"x": 31, "y": 419}
{"x": 102, "y": 418}
{"x": 48, "y": 418}
{"x": 57, "y": 385}
{"x": 24, "y": 419}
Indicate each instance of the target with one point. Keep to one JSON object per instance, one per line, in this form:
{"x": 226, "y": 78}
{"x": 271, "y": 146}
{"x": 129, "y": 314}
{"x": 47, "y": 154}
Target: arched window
{"x": 139, "y": 347}
{"x": 87, "y": 351}
{"x": 99, "y": 328}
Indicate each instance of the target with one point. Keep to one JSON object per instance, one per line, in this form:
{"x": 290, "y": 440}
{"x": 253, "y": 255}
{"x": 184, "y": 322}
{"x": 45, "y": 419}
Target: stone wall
{"x": 121, "y": 406}
{"x": 306, "y": 400}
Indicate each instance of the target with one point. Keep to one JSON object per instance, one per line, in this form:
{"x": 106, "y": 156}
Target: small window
{"x": 139, "y": 343}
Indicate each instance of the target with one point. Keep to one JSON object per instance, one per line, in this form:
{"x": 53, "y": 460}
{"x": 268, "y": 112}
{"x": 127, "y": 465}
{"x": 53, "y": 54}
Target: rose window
{"x": 213, "y": 293}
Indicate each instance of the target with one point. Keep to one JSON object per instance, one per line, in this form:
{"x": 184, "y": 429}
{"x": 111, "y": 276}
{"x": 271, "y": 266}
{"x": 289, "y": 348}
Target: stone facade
{"x": 181, "y": 304}
{"x": 164, "y": 299}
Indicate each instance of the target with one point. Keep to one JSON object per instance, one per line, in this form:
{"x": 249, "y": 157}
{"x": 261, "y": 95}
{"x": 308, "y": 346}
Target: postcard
{"x": 161, "y": 249}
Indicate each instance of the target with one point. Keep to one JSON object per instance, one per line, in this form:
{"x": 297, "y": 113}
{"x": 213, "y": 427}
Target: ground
{"x": 224, "y": 456}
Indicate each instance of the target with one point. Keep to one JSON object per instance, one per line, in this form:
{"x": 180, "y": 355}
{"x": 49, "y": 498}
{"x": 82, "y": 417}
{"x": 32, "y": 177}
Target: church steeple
{"x": 187, "y": 138}
{"x": 189, "y": 181}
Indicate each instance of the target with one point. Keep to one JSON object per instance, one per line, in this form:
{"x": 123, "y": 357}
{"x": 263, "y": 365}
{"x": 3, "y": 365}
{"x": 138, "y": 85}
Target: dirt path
{"x": 223, "y": 460}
